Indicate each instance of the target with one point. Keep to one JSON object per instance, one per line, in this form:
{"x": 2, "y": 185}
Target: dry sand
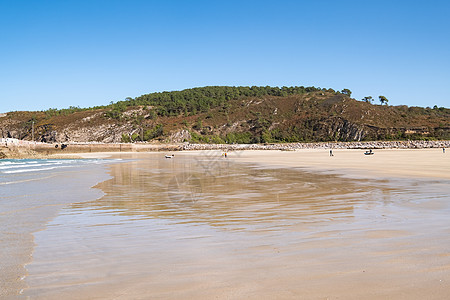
{"x": 425, "y": 163}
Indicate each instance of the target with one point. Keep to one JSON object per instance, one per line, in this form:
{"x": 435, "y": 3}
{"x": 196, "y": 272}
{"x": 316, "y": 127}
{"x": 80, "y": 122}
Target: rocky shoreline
{"x": 324, "y": 145}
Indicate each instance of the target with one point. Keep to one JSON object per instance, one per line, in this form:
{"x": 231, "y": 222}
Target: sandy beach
{"x": 255, "y": 225}
{"x": 419, "y": 163}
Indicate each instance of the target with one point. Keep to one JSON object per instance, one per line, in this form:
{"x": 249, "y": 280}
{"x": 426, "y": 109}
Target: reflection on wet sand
{"x": 209, "y": 228}
{"x": 227, "y": 194}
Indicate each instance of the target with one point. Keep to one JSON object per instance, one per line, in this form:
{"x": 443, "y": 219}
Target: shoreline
{"x": 351, "y": 163}
{"x": 28, "y": 206}
{"x": 385, "y": 163}
{"x": 392, "y": 159}
{"x": 26, "y": 149}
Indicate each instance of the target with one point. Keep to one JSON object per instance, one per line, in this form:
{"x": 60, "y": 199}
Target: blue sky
{"x": 56, "y": 54}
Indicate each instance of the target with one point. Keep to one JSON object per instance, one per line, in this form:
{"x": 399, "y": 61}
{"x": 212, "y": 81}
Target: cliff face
{"x": 86, "y": 126}
{"x": 309, "y": 117}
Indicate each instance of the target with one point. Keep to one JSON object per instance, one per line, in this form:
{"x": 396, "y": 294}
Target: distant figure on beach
{"x": 368, "y": 152}
{"x": 225, "y": 154}
{"x": 331, "y": 152}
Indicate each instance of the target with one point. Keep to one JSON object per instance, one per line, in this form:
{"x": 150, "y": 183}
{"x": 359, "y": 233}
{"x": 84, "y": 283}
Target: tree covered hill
{"x": 221, "y": 114}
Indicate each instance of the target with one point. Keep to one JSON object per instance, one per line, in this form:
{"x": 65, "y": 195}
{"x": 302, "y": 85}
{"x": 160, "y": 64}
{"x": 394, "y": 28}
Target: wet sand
{"x": 256, "y": 225}
{"x": 25, "y": 208}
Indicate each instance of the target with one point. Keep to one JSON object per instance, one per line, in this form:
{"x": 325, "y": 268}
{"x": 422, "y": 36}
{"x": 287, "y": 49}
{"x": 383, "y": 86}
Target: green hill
{"x": 220, "y": 114}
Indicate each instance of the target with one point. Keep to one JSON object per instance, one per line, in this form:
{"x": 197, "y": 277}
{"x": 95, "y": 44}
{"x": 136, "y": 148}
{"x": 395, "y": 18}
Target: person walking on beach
{"x": 331, "y": 152}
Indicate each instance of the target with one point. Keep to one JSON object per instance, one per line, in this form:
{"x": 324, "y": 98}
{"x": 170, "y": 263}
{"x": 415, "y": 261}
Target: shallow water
{"x": 31, "y": 193}
{"x": 205, "y": 227}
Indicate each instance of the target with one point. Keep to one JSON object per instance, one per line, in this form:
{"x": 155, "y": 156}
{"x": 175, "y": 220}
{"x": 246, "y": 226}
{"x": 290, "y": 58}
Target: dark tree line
{"x": 197, "y": 100}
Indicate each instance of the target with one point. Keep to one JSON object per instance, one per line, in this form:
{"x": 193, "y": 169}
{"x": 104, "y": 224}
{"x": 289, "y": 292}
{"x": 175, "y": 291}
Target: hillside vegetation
{"x": 218, "y": 114}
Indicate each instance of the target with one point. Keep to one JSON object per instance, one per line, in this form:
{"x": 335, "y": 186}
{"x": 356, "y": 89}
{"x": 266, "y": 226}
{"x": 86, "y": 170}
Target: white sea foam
{"x": 27, "y": 166}
{"x": 33, "y": 170}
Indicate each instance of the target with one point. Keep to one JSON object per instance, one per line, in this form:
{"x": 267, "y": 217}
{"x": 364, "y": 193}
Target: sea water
{"x": 18, "y": 170}
{"x": 31, "y": 193}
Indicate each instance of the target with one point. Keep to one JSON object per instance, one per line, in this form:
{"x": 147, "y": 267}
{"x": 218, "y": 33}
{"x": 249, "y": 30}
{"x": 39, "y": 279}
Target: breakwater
{"x": 323, "y": 145}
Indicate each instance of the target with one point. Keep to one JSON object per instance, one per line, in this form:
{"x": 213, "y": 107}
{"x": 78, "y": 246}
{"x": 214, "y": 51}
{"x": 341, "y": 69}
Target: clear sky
{"x": 56, "y": 54}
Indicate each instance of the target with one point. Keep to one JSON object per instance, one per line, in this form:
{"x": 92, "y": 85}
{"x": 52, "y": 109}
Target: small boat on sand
{"x": 169, "y": 156}
{"x": 370, "y": 152}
